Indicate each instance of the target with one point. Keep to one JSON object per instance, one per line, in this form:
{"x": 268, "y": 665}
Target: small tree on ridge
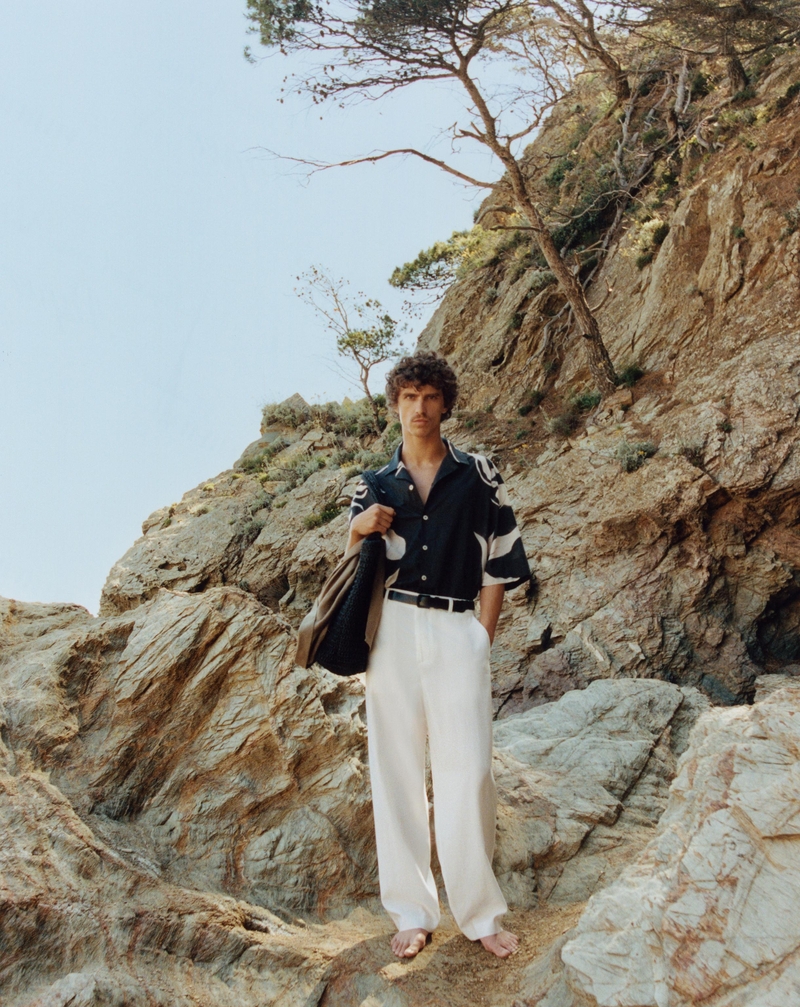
{"x": 364, "y": 332}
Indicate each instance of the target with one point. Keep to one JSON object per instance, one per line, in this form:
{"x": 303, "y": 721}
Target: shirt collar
{"x": 450, "y": 462}
{"x": 395, "y": 463}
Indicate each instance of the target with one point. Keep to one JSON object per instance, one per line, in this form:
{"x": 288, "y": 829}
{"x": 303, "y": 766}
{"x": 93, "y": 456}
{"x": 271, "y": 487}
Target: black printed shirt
{"x": 462, "y": 538}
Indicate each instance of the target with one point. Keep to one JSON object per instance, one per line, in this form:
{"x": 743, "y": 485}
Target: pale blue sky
{"x": 149, "y": 257}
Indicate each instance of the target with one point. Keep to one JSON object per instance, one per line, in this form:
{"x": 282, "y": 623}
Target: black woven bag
{"x": 344, "y": 649}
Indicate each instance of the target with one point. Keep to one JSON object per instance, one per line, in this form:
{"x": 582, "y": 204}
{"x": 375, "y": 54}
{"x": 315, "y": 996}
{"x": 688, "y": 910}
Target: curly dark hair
{"x": 423, "y": 368}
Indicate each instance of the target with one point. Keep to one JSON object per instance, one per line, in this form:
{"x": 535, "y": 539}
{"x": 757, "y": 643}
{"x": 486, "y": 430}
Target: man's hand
{"x": 376, "y": 518}
{"x": 491, "y": 602}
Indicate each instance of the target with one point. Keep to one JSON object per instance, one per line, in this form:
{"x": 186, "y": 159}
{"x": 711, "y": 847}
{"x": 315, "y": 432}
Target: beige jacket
{"x": 315, "y": 625}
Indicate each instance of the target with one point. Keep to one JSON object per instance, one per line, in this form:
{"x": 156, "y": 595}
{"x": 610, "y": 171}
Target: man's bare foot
{"x": 409, "y": 943}
{"x": 503, "y": 944}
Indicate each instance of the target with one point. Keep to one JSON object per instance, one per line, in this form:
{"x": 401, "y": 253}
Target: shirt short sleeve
{"x": 363, "y": 499}
{"x": 506, "y": 562}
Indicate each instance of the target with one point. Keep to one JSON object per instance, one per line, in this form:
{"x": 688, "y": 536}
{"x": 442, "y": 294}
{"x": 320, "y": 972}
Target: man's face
{"x": 420, "y": 410}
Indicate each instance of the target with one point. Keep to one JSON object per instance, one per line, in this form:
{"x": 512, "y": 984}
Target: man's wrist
{"x": 353, "y": 538}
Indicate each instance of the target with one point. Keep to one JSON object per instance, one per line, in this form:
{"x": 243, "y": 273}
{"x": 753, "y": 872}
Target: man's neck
{"x": 423, "y": 451}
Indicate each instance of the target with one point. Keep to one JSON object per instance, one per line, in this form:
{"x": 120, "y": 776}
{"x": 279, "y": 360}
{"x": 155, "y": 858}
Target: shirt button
{"x": 424, "y": 577}
{"x": 425, "y": 548}
{"x": 411, "y": 488}
{"x": 424, "y": 517}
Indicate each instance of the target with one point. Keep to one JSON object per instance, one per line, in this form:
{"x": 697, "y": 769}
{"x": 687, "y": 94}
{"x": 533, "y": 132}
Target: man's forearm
{"x": 491, "y": 602}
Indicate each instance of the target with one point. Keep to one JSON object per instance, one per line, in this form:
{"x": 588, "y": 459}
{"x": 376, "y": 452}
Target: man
{"x": 449, "y": 534}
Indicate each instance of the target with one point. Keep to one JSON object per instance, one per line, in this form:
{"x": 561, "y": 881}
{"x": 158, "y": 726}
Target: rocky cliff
{"x": 186, "y": 814}
{"x": 686, "y": 568}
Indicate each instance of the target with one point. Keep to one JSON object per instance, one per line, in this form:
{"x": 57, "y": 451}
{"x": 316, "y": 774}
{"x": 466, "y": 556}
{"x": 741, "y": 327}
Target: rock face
{"x": 226, "y": 532}
{"x": 688, "y": 568}
{"x": 151, "y": 762}
{"x": 707, "y": 912}
{"x": 80, "y": 925}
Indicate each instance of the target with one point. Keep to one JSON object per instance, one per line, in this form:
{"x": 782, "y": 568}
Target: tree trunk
{"x": 617, "y": 76}
{"x": 621, "y": 87}
{"x": 372, "y": 403}
{"x": 682, "y": 94}
{"x": 600, "y": 366}
{"x": 585, "y": 34}
{"x": 737, "y": 77}
{"x": 682, "y": 87}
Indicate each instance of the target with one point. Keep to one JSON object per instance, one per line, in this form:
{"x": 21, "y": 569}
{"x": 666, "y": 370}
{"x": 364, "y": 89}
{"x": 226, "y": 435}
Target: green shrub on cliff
{"x": 792, "y": 217}
{"x": 328, "y": 513}
{"x": 295, "y": 472}
{"x": 632, "y": 455}
{"x": 354, "y": 419}
{"x": 649, "y": 239}
{"x": 558, "y": 172}
{"x": 258, "y": 462}
{"x": 693, "y": 451}
{"x": 435, "y": 268}
{"x": 564, "y": 423}
{"x": 280, "y": 414}
{"x": 788, "y": 96}
{"x": 540, "y": 280}
{"x": 584, "y": 402}
{"x": 629, "y": 375}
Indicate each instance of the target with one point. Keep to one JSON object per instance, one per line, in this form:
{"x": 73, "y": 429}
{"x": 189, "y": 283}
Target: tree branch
{"x": 317, "y": 166}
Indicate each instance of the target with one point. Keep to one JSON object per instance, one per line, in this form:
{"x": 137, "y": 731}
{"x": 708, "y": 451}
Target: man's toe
{"x": 416, "y": 945}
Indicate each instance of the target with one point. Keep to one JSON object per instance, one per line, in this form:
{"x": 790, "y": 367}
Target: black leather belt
{"x": 431, "y": 601}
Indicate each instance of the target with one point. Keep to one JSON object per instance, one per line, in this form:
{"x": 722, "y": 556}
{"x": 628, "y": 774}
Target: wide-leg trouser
{"x": 429, "y": 675}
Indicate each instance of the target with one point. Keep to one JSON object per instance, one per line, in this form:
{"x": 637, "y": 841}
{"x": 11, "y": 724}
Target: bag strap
{"x": 371, "y": 479}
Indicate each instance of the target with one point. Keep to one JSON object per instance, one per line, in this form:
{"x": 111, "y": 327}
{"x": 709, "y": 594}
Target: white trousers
{"x": 429, "y": 676}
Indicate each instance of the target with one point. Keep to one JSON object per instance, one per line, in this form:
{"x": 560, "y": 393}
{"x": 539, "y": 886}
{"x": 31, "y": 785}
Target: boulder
{"x": 582, "y": 782}
{"x": 706, "y": 913}
{"x": 183, "y": 732}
